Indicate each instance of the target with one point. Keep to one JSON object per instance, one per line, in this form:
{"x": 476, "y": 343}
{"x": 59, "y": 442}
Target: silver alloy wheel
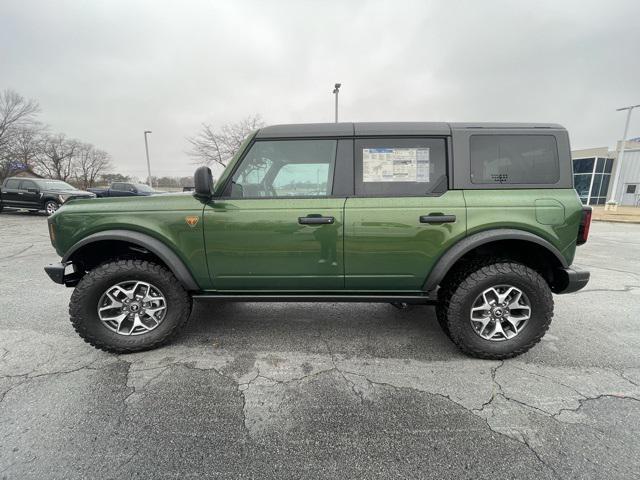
{"x": 132, "y": 307}
{"x": 51, "y": 207}
{"x": 500, "y": 313}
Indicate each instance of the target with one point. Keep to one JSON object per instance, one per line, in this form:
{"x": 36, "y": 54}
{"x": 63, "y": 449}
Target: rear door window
{"x": 12, "y": 183}
{"x": 398, "y": 167}
{"x": 514, "y": 159}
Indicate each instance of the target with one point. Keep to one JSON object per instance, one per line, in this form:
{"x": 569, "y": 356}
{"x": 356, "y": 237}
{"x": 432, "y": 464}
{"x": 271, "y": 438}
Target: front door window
{"x": 286, "y": 168}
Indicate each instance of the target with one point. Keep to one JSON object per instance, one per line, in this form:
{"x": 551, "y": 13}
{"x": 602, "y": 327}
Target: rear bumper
{"x": 569, "y": 280}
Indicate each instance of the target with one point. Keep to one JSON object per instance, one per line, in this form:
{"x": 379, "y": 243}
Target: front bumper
{"x": 58, "y": 272}
{"x": 571, "y": 279}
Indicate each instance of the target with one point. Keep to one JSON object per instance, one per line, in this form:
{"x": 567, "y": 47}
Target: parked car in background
{"x": 36, "y": 194}
{"x": 125, "y": 189}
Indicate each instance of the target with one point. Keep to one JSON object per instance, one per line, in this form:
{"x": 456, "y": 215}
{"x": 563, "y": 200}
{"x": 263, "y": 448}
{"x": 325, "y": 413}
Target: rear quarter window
{"x": 12, "y": 183}
{"x": 514, "y": 159}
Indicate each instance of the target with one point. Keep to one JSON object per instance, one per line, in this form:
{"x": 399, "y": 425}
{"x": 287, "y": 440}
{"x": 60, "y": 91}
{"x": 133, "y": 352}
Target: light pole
{"x": 146, "y": 147}
{"x": 616, "y": 178}
{"x": 336, "y": 90}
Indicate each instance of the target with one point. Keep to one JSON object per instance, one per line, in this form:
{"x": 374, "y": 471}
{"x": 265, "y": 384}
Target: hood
{"x": 136, "y": 203}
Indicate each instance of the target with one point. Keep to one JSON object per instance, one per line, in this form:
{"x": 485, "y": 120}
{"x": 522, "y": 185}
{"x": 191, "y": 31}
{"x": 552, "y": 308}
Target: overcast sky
{"x": 104, "y": 71}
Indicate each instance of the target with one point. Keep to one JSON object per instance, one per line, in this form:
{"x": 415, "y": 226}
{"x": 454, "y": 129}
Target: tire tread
{"x": 461, "y": 286}
{"x": 111, "y": 268}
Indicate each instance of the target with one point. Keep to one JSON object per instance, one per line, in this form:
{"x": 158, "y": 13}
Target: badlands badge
{"x": 192, "y": 220}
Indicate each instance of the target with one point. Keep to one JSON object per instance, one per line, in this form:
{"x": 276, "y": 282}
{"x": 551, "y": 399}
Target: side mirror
{"x": 203, "y": 182}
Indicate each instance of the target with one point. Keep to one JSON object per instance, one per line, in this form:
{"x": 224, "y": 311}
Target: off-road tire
{"x": 448, "y": 288}
{"x": 457, "y": 299}
{"x": 83, "y": 307}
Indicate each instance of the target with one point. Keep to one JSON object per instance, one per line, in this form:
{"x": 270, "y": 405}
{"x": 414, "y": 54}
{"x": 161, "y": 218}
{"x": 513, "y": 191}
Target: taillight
{"x": 585, "y": 224}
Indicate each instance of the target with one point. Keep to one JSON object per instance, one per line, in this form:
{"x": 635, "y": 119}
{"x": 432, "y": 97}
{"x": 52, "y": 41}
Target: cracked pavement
{"x": 319, "y": 391}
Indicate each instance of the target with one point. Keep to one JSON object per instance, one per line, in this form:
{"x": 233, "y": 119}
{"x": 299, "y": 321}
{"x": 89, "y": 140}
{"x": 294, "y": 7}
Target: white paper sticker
{"x": 395, "y": 165}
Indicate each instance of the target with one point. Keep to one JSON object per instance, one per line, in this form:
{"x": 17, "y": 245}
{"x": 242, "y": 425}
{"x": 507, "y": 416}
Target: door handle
{"x": 20, "y": 193}
{"x": 437, "y": 218}
{"x": 315, "y": 220}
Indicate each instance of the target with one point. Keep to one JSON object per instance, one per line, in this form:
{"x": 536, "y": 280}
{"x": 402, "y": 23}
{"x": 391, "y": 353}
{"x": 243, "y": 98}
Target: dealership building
{"x": 594, "y": 170}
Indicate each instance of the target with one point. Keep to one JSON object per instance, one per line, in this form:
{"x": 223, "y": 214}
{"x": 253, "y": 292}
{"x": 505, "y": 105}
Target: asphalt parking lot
{"x": 319, "y": 391}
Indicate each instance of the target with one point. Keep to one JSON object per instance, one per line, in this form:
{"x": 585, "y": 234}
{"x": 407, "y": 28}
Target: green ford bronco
{"x": 480, "y": 220}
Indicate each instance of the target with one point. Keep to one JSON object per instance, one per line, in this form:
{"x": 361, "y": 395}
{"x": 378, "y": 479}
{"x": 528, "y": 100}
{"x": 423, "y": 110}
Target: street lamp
{"x": 146, "y": 147}
{"x": 616, "y": 178}
{"x": 336, "y": 90}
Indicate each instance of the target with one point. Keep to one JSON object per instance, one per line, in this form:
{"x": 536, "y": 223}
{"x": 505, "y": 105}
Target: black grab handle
{"x": 437, "y": 218}
{"x": 315, "y": 220}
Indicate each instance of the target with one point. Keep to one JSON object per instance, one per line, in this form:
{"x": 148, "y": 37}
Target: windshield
{"x": 55, "y": 185}
{"x": 141, "y": 187}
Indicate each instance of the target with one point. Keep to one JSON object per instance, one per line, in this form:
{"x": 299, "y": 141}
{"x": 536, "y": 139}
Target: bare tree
{"x": 89, "y": 164}
{"x": 212, "y": 145}
{"x": 15, "y": 112}
{"x": 56, "y": 157}
{"x": 17, "y": 117}
{"x": 21, "y": 149}
{"x": 24, "y": 145}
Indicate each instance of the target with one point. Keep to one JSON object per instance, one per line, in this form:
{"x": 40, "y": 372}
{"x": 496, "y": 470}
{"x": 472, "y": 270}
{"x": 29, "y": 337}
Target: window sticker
{"x": 395, "y": 165}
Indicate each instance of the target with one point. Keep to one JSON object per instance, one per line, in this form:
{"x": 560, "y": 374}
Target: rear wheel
{"x": 51, "y": 206}
{"x": 128, "y": 305}
{"x": 497, "y": 311}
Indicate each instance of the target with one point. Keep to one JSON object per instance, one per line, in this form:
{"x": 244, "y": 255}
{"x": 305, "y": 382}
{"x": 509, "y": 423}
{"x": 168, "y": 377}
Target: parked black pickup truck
{"x": 36, "y": 194}
{"x": 123, "y": 189}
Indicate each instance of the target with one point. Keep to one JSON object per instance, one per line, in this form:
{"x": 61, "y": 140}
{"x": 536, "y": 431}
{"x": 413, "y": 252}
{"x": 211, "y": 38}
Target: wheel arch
{"x": 510, "y": 241}
{"x": 118, "y": 238}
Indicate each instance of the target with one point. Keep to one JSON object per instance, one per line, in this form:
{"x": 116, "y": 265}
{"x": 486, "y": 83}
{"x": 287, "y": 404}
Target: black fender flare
{"x": 467, "y": 244}
{"x": 155, "y": 246}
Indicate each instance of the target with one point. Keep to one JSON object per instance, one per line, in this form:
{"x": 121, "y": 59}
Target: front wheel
{"x": 128, "y": 306}
{"x": 498, "y": 311}
{"x": 51, "y": 206}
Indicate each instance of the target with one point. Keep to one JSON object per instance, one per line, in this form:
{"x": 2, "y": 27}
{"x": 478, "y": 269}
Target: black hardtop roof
{"x": 385, "y": 128}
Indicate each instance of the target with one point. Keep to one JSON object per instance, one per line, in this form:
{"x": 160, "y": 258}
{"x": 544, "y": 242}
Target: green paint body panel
{"x": 259, "y": 244}
{"x": 375, "y": 244}
{"x": 159, "y": 216}
{"x": 386, "y": 246}
{"x": 552, "y": 214}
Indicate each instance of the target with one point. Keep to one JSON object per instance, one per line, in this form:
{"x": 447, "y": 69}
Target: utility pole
{"x": 616, "y": 178}
{"x": 146, "y": 147}
{"x": 336, "y": 90}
